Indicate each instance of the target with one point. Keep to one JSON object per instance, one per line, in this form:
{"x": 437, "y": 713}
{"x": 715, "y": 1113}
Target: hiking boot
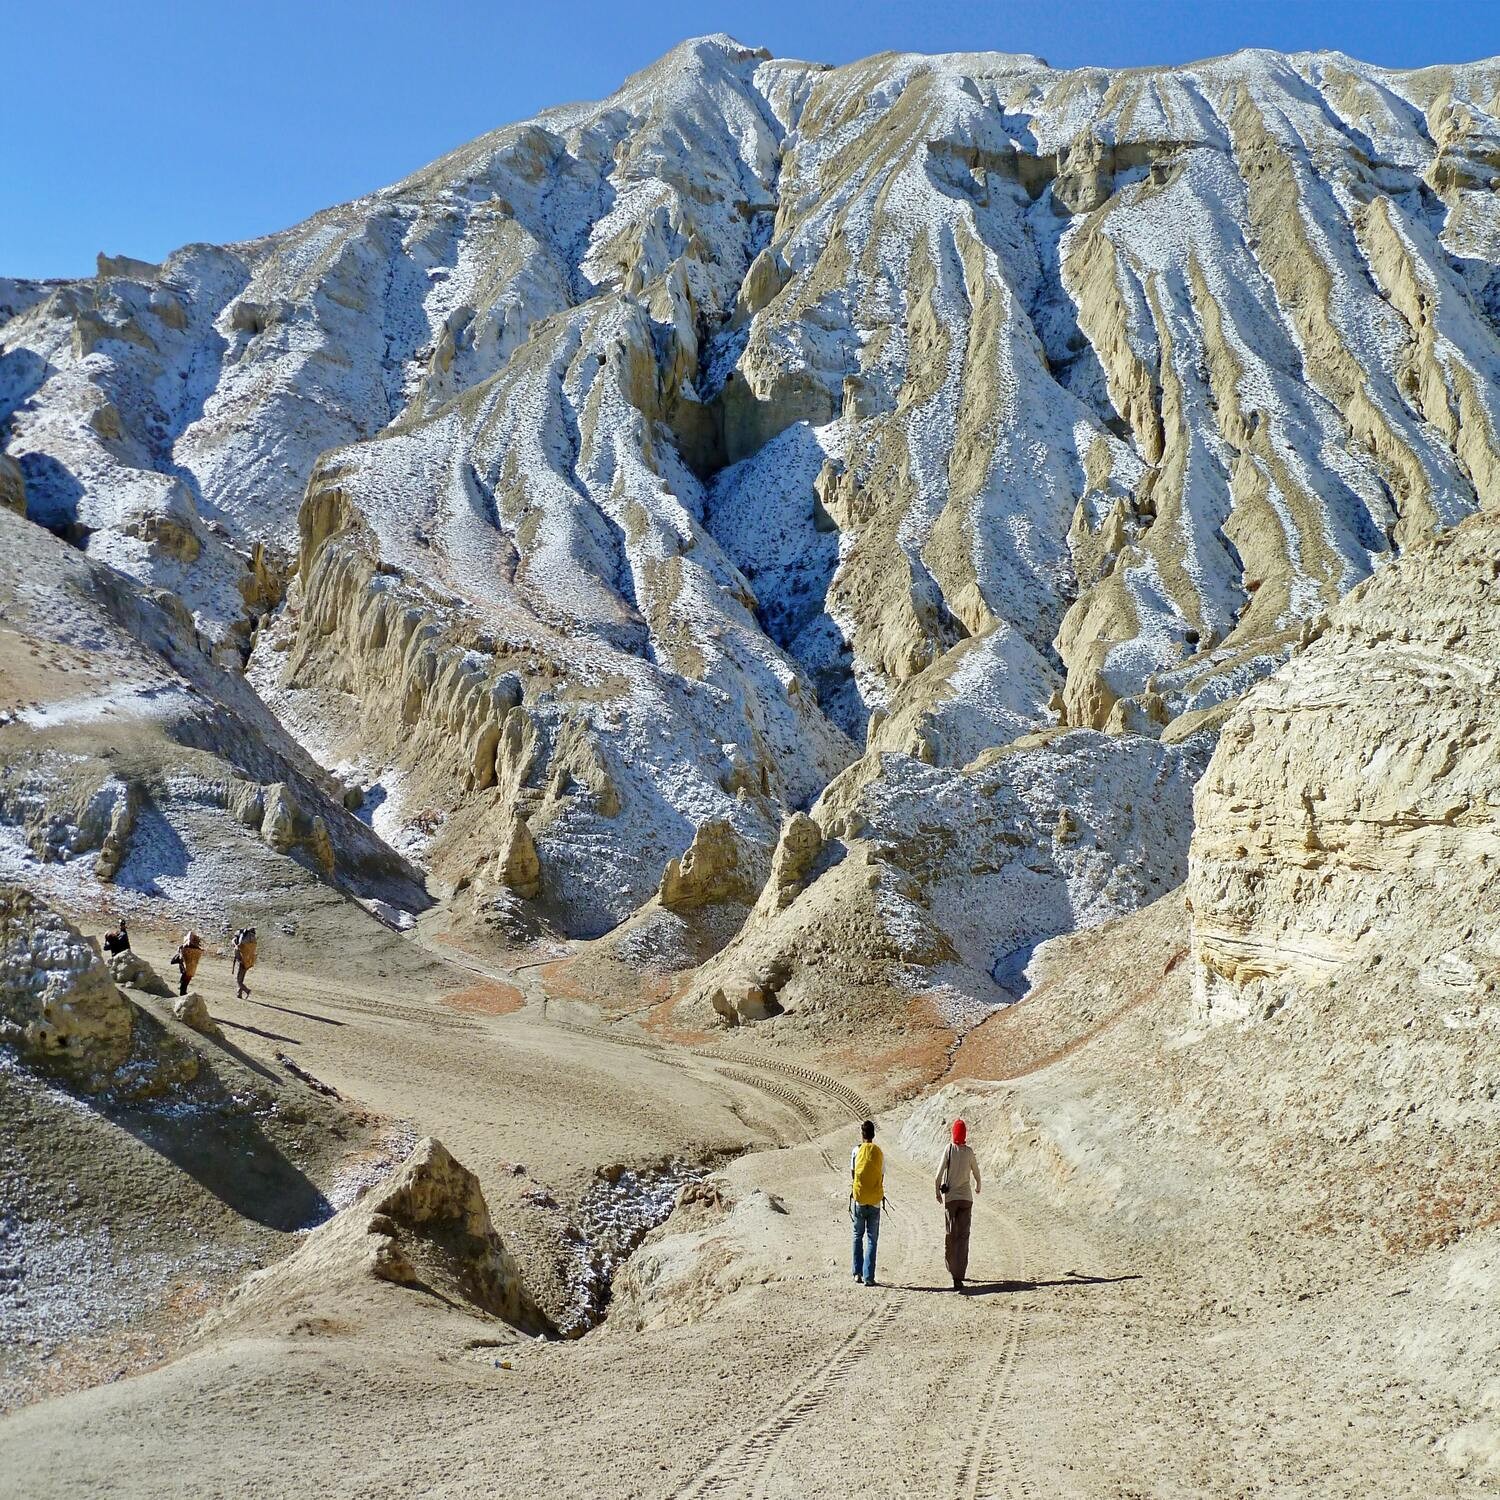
{"x": 870, "y": 1281}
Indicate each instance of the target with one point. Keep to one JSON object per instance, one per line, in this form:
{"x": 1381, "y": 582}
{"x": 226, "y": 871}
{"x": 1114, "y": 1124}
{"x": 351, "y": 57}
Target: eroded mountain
{"x": 939, "y": 446}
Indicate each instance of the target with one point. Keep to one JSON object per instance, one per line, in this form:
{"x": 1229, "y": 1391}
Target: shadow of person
{"x": 976, "y": 1288}
{"x": 270, "y": 1036}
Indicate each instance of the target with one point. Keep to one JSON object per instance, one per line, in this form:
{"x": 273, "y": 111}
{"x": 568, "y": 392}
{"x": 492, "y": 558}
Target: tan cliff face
{"x": 1347, "y": 823}
{"x": 637, "y": 476}
{"x": 1342, "y": 903}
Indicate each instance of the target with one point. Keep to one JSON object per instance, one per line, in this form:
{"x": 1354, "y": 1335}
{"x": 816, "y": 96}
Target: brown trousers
{"x": 956, "y": 1240}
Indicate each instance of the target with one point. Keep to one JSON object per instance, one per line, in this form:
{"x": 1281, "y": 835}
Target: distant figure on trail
{"x": 186, "y": 960}
{"x": 243, "y": 959}
{"x": 866, "y": 1194}
{"x": 117, "y": 939}
{"x": 957, "y": 1181}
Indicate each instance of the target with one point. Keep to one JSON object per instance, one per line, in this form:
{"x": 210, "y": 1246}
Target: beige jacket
{"x": 961, "y": 1167}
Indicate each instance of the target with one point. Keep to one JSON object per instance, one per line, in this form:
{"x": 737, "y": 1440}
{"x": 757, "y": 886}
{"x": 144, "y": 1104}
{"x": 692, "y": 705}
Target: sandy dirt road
{"x": 1083, "y": 1364}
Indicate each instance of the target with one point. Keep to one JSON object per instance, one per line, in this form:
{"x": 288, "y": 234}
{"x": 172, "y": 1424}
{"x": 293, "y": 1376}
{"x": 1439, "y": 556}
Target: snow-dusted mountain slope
{"x": 648, "y": 464}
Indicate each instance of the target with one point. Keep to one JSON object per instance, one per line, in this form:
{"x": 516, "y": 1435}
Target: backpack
{"x": 869, "y": 1174}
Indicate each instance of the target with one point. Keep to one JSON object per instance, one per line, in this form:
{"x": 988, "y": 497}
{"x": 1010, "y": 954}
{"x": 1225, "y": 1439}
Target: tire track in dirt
{"x": 846, "y": 1096}
{"x": 433, "y": 1018}
{"x": 745, "y": 1467}
{"x": 790, "y": 1097}
{"x": 990, "y": 1466}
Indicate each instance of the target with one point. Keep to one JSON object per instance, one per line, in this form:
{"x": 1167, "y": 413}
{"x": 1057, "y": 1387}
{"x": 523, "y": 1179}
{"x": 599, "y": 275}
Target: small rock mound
{"x": 192, "y": 1011}
{"x": 426, "y": 1227}
{"x": 58, "y": 1005}
{"x": 133, "y": 972}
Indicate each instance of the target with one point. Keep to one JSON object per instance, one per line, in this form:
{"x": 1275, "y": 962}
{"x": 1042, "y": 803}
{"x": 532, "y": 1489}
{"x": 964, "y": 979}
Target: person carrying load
{"x": 186, "y": 960}
{"x": 117, "y": 939}
{"x": 243, "y": 957}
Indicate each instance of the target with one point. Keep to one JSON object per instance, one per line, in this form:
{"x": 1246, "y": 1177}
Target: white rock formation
{"x": 58, "y": 1005}
{"x": 641, "y": 463}
{"x": 132, "y": 971}
{"x": 929, "y": 880}
{"x": 61, "y": 1013}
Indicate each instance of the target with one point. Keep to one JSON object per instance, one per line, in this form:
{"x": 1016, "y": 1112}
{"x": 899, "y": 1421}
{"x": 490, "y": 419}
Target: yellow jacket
{"x": 867, "y": 1174}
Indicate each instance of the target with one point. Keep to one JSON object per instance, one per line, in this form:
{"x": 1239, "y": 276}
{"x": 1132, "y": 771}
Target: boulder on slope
{"x": 426, "y": 1227}
{"x": 192, "y": 1010}
{"x": 58, "y": 1004}
{"x": 131, "y": 971}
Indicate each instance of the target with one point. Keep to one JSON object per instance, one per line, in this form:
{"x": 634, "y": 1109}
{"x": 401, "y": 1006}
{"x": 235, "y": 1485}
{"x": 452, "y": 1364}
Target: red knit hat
{"x": 960, "y": 1132}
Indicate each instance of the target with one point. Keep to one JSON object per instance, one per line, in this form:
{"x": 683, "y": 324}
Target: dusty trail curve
{"x": 526, "y": 977}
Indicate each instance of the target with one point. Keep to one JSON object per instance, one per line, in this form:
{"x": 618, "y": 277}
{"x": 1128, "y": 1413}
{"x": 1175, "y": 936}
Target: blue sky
{"x": 134, "y": 127}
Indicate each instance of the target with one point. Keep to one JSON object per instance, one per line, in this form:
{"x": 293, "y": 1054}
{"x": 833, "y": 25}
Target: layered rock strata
{"x": 1351, "y": 813}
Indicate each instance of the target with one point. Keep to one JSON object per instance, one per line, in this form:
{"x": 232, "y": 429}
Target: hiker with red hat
{"x": 957, "y": 1182}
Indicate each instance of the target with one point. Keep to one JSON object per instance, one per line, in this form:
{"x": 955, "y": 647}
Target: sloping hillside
{"x": 643, "y": 467}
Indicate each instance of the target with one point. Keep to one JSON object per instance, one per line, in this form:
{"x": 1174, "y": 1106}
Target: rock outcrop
{"x": 133, "y": 972}
{"x": 519, "y": 868}
{"x": 920, "y": 880}
{"x": 192, "y": 1010}
{"x": 715, "y": 869}
{"x": 1345, "y": 915}
{"x": 1351, "y": 814}
{"x": 58, "y": 1005}
{"x": 62, "y": 1014}
{"x": 426, "y": 1227}
{"x": 130, "y": 758}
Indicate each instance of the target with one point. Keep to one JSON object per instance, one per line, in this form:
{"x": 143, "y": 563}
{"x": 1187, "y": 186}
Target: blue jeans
{"x": 866, "y": 1223}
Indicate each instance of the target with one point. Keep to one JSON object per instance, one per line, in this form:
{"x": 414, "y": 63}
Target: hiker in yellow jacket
{"x": 867, "y": 1192}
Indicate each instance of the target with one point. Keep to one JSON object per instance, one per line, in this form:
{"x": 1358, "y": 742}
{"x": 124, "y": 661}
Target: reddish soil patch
{"x": 660, "y": 1020}
{"x": 487, "y": 998}
{"x": 452, "y": 940}
{"x": 554, "y": 977}
{"x": 918, "y": 1058}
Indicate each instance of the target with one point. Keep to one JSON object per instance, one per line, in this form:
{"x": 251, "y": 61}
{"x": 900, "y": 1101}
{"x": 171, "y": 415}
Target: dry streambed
{"x": 616, "y": 1214}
